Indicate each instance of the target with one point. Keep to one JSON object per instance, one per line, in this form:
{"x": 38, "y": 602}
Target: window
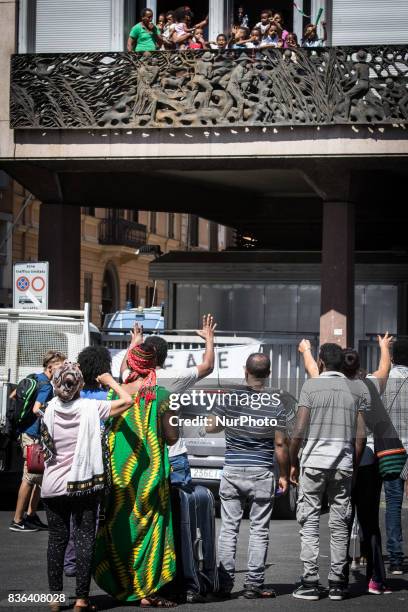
{"x": 88, "y": 282}
{"x": 171, "y": 225}
{"x": 52, "y": 26}
{"x": 193, "y": 233}
{"x": 133, "y": 215}
{"x": 150, "y": 295}
{"x": 153, "y": 222}
{"x": 213, "y": 231}
{"x": 132, "y": 294}
{"x": 116, "y": 213}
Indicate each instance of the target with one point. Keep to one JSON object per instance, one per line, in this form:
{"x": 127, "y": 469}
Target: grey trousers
{"x": 313, "y": 484}
{"x": 238, "y": 485}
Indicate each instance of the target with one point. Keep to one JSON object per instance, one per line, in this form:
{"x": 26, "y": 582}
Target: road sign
{"x": 31, "y": 285}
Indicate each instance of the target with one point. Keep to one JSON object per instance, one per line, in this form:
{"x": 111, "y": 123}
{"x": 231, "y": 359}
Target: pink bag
{"x": 35, "y": 459}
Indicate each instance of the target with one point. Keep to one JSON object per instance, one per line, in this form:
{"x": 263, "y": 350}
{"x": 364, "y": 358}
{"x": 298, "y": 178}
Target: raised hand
{"x": 304, "y": 345}
{"x": 385, "y": 341}
{"x": 136, "y": 335}
{"x": 208, "y": 329}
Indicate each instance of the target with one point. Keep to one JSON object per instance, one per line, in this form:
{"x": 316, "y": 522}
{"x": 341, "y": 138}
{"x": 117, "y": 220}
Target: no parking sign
{"x": 31, "y": 285}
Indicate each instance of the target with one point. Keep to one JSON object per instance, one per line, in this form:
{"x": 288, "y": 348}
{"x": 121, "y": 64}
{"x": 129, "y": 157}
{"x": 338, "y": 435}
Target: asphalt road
{"x": 23, "y": 570}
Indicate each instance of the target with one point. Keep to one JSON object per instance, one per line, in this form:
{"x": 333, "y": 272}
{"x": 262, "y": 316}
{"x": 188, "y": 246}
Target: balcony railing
{"x": 328, "y": 86}
{"x": 122, "y": 233}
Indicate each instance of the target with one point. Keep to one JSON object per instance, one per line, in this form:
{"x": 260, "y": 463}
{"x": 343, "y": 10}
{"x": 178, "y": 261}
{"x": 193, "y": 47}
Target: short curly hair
{"x": 94, "y": 361}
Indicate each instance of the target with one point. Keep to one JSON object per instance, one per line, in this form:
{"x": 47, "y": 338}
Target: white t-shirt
{"x": 177, "y": 381}
{"x": 262, "y": 27}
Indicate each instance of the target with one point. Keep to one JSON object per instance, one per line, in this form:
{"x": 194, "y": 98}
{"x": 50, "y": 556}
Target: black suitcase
{"x": 194, "y": 533}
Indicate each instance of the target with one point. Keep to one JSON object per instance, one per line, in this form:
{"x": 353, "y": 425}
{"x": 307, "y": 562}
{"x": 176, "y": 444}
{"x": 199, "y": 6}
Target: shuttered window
{"x": 73, "y": 25}
{"x": 369, "y": 22}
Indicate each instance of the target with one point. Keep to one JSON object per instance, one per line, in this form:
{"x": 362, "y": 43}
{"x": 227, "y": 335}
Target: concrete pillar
{"x": 59, "y": 243}
{"x": 216, "y": 18}
{"x": 337, "y": 297}
{"x": 298, "y": 21}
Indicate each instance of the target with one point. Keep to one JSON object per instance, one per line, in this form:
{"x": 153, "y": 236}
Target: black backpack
{"x": 20, "y": 413}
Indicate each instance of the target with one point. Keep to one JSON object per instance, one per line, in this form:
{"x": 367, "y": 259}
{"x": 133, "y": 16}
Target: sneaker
{"x": 23, "y": 527}
{"x": 252, "y": 591}
{"x": 35, "y": 521}
{"x": 338, "y": 592}
{"x": 375, "y": 588}
{"x": 396, "y": 569}
{"x": 193, "y": 598}
{"x": 307, "y": 590}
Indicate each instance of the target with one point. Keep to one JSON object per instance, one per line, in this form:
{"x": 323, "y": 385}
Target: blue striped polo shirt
{"x": 250, "y": 419}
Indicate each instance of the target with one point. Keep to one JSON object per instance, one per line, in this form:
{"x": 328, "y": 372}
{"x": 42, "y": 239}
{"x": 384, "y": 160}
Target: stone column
{"x": 298, "y": 21}
{"x": 216, "y": 18}
{"x": 337, "y": 297}
{"x": 59, "y": 243}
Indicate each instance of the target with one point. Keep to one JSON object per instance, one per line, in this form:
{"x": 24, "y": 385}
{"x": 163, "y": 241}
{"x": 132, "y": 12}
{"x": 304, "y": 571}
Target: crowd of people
{"x": 176, "y": 30}
{"x": 107, "y": 497}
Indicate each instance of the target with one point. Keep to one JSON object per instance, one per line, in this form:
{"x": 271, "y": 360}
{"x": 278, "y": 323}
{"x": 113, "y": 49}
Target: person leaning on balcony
{"x": 291, "y": 41}
{"x": 144, "y": 36}
{"x": 310, "y": 37}
{"x": 168, "y": 30}
{"x": 221, "y": 43}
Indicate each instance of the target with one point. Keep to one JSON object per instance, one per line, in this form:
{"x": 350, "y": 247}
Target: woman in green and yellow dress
{"x": 134, "y": 552}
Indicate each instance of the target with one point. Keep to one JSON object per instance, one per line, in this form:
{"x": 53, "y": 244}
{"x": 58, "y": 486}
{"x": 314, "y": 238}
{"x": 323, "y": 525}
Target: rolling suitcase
{"x": 194, "y": 533}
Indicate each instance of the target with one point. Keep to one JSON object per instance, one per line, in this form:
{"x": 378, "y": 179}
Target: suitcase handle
{"x": 198, "y": 550}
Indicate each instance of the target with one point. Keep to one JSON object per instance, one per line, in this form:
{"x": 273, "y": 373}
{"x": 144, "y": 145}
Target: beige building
{"x": 112, "y": 272}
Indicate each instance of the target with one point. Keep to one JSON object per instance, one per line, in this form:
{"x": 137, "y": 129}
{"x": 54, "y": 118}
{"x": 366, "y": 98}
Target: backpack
{"x": 20, "y": 414}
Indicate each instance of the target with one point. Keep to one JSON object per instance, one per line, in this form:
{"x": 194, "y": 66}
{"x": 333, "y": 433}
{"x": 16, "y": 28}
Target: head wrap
{"x": 67, "y": 381}
{"x": 142, "y": 362}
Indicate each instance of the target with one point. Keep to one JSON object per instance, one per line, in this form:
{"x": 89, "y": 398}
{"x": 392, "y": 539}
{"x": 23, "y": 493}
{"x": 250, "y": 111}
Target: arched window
{"x": 110, "y": 290}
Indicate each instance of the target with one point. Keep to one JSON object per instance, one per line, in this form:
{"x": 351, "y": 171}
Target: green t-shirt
{"x": 145, "y": 39}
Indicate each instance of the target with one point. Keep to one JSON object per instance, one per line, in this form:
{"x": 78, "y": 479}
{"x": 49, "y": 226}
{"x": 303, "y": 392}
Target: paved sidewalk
{"x": 23, "y": 570}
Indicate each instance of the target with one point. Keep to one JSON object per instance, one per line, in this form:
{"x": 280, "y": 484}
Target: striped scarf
{"x": 142, "y": 362}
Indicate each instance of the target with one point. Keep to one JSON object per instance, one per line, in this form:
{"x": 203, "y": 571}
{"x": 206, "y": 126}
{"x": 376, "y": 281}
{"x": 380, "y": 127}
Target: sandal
{"x": 254, "y": 592}
{"x": 88, "y": 608}
{"x": 157, "y": 602}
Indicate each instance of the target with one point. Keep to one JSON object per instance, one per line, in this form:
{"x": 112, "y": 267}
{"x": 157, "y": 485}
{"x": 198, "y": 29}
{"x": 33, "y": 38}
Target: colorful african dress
{"x": 134, "y": 550}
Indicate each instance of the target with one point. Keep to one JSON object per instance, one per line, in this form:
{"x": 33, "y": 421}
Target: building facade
{"x": 301, "y": 152}
{"x": 102, "y": 25}
{"x": 113, "y": 275}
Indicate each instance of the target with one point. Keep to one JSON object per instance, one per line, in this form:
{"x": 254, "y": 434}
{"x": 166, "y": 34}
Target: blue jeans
{"x": 394, "y": 495}
{"x": 238, "y": 485}
{"x": 180, "y": 470}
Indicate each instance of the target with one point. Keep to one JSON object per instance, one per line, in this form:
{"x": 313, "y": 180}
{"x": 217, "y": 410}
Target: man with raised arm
{"x": 330, "y": 420}
{"x": 178, "y": 381}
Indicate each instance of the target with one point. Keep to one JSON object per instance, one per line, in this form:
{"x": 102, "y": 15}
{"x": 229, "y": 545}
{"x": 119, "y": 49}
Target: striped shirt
{"x": 395, "y": 400}
{"x": 250, "y": 419}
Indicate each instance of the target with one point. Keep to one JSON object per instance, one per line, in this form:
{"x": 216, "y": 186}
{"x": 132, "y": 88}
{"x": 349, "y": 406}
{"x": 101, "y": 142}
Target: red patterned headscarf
{"x": 142, "y": 362}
